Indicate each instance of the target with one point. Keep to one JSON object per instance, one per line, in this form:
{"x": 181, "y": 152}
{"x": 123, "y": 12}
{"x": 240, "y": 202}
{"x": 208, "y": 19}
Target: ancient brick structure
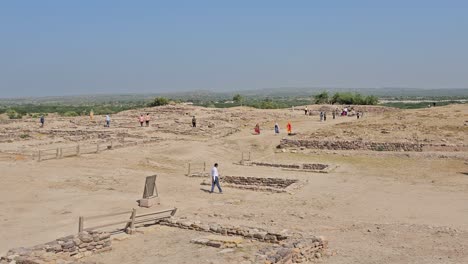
{"x": 351, "y": 145}
{"x": 67, "y": 248}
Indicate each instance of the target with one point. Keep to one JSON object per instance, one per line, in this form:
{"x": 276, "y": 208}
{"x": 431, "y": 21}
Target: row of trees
{"x": 345, "y": 98}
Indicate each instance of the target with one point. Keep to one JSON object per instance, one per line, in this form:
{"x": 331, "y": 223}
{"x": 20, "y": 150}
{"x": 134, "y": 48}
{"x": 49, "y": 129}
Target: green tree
{"x": 158, "y": 101}
{"x": 321, "y": 98}
{"x": 238, "y": 99}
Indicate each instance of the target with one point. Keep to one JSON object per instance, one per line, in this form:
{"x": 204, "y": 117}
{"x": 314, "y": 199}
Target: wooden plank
{"x": 110, "y": 224}
{"x": 80, "y": 224}
{"x": 107, "y": 215}
{"x": 155, "y": 213}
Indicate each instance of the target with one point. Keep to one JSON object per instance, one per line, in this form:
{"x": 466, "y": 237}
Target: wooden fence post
{"x": 61, "y": 152}
{"x": 173, "y": 212}
{"x": 78, "y": 150}
{"x": 57, "y": 153}
{"x": 242, "y": 157}
{"x": 204, "y": 166}
{"x": 80, "y": 224}
{"x": 39, "y": 156}
{"x": 188, "y": 173}
{"x": 131, "y": 228}
{"x": 97, "y": 147}
{"x": 249, "y": 156}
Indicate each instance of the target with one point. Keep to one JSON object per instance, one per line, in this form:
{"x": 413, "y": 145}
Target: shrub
{"x": 70, "y": 113}
{"x": 12, "y": 114}
{"x": 158, "y": 101}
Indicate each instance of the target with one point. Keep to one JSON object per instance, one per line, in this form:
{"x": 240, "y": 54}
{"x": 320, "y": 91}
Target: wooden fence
{"x": 130, "y": 223}
{"x": 73, "y": 151}
{"x": 196, "y": 167}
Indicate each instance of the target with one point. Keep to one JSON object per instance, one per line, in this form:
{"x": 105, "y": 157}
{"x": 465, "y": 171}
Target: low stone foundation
{"x": 68, "y": 248}
{"x": 225, "y": 230}
{"x": 258, "y": 184}
{"x": 294, "y": 251}
{"x": 312, "y": 167}
{"x": 287, "y": 248}
{"x": 218, "y": 241}
{"x": 351, "y": 145}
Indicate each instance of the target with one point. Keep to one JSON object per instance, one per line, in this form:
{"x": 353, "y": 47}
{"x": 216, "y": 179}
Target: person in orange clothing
{"x": 289, "y": 128}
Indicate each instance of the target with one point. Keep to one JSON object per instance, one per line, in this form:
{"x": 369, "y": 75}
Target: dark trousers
{"x": 216, "y": 182}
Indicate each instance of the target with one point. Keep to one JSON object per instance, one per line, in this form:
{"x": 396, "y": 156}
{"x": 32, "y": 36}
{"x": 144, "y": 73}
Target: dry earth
{"x": 375, "y": 207}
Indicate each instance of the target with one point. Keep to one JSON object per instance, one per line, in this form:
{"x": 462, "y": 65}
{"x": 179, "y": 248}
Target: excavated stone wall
{"x": 287, "y": 249}
{"x": 65, "y": 249}
{"x": 351, "y": 145}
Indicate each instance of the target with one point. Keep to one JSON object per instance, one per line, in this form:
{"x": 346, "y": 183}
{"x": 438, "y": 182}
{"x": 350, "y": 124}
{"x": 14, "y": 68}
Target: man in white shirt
{"x": 215, "y": 178}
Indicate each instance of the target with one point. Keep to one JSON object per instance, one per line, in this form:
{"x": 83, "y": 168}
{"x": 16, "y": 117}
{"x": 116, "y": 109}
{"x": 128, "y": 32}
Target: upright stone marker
{"x": 150, "y": 193}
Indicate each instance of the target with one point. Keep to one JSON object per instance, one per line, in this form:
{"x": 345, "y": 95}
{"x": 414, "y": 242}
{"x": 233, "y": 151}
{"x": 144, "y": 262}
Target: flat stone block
{"x": 148, "y": 202}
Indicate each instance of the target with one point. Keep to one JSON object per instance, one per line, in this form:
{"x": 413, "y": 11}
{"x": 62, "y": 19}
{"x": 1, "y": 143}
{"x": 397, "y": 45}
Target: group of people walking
{"x": 276, "y": 129}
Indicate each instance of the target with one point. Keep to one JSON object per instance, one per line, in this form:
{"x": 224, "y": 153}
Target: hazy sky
{"x": 81, "y": 47}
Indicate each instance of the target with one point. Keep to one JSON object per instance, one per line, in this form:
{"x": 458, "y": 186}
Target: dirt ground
{"x": 375, "y": 207}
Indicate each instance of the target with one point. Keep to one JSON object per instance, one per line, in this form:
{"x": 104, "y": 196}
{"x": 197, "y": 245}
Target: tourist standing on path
{"x": 324, "y": 116}
{"x": 321, "y": 116}
{"x": 257, "y": 129}
{"x": 141, "y": 119}
{"x": 107, "y": 120}
{"x": 289, "y": 128}
{"x": 42, "y": 120}
{"x": 305, "y": 110}
{"x": 194, "y": 122}
{"x": 333, "y": 114}
{"x": 276, "y": 129}
{"x": 215, "y": 178}
{"x": 147, "y": 119}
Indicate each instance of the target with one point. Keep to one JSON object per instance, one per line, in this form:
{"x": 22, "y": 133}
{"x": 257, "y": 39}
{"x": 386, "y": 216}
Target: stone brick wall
{"x": 277, "y": 165}
{"x": 314, "y": 166}
{"x": 65, "y": 249}
{"x": 351, "y": 145}
{"x": 294, "y": 251}
{"x": 247, "y": 232}
{"x": 287, "y": 249}
{"x": 270, "y": 182}
{"x": 305, "y": 166}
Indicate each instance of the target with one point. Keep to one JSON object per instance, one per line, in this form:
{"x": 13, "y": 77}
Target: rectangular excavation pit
{"x": 258, "y": 183}
{"x": 307, "y": 167}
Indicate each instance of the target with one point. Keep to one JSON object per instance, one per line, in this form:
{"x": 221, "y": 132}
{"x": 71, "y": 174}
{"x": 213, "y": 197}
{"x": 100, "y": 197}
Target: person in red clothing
{"x": 257, "y": 129}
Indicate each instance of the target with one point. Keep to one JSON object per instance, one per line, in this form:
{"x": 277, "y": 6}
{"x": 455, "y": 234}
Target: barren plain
{"x": 372, "y": 207}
